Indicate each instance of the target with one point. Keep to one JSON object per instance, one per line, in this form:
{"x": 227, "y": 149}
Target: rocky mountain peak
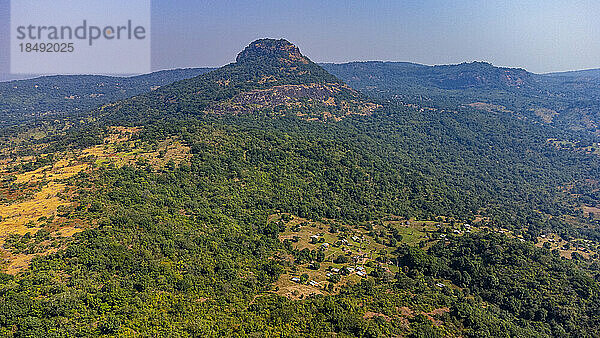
{"x": 265, "y": 49}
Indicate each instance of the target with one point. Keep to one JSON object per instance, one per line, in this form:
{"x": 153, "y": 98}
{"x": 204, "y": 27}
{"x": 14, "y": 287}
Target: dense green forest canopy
{"x": 147, "y": 263}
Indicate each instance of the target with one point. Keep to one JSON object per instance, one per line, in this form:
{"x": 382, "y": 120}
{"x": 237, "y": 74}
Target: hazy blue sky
{"x": 541, "y": 36}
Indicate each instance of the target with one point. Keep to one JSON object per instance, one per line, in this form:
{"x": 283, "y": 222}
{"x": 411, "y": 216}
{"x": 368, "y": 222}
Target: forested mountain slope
{"x": 269, "y": 198}
{"x": 268, "y": 77}
{"x": 565, "y": 100}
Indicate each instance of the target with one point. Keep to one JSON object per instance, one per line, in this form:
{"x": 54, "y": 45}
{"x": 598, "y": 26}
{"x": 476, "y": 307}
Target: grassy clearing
{"x": 568, "y": 249}
{"x": 369, "y": 248}
{"x": 345, "y": 251}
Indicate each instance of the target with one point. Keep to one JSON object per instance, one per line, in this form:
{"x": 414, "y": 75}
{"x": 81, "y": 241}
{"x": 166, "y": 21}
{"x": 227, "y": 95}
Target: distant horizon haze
{"x": 539, "y": 36}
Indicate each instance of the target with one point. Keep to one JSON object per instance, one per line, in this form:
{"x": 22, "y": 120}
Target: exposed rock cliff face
{"x": 281, "y": 50}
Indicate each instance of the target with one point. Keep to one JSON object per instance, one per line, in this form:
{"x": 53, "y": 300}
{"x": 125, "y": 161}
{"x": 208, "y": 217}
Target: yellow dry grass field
{"x": 546, "y": 115}
{"x": 62, "y": 169}
{"x": 43, "y": 204}
{"x": 20, "y": 261}
{"x": 43, "y": 191}
{"x": 23, "y": 216}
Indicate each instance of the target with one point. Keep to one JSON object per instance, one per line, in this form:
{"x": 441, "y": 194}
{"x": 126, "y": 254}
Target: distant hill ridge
{"x": 47, "y": 96}
{"x": 452, "y": 77}
{"x": 566, "y": 100}
{"x": 272, "y": 76}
